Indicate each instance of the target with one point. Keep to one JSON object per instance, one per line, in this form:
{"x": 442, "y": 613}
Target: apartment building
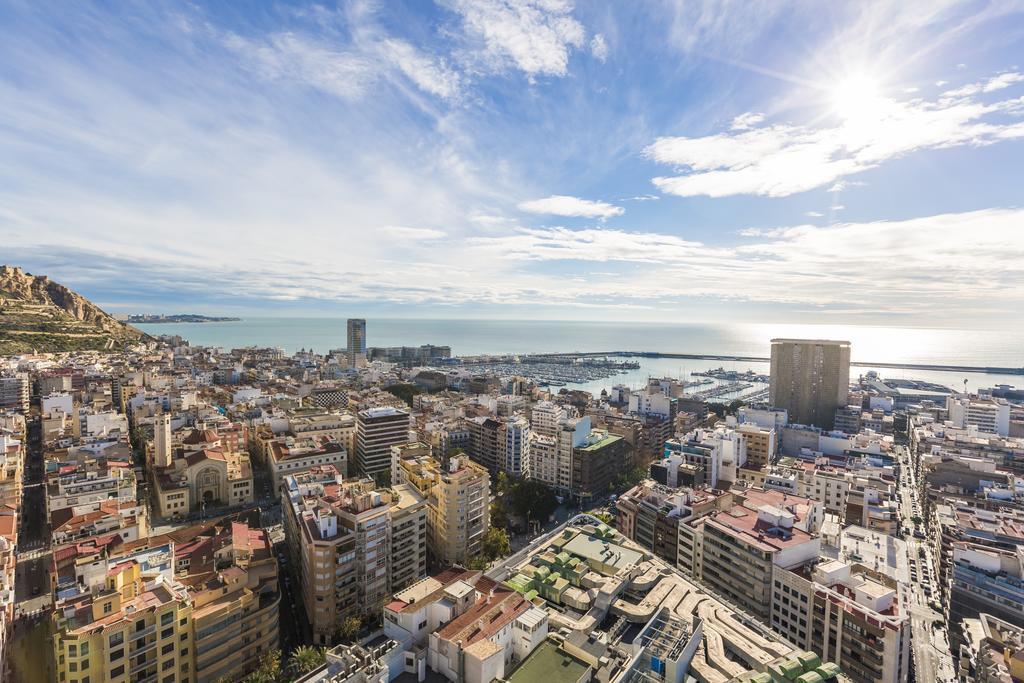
{"x": 232, "y": 578}
{"x": 338, "y": 427}
{"x": 378, "y": 429}
{"x": 986, "y": 581}
{"x": 340, "y": 534}
{"x": 12, "y": 470}
{"x": 293, "y": 455}
{"x": 408, "y": 539}
{"x": 597, "y": 462}
{"x": 760, "y": 444}
{"x": 14, "y": 393}
{"x": 739, "y": 548}
{"x": 124, "y": 619}
{"x": 516, "y": 446}
{"x": 487, "y": 443}
{"x": 652, "y": 515}
{"x": 8, "y": 562}
{"x": 810, "y": 378}
{"x": 458, "y": 499}
{"x": 988, "y": 415}
{"x": 858, "y": 623}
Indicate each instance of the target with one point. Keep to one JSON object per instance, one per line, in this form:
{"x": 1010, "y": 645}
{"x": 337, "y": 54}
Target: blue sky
{"x": 857, "y": 162}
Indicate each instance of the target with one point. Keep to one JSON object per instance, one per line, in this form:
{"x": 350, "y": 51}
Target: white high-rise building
{"x": 516, "y": 444}
{"x": 544, "y": 418}
{"x": 989, "y": 415}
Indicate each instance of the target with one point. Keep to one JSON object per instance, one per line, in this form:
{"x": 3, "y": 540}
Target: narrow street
{"x": 930, "y": 644}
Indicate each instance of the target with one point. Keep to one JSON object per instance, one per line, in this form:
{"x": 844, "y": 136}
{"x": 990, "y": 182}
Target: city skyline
{"x": 545, "y": 160}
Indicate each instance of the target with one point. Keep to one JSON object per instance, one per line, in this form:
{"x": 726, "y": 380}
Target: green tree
{"x": 605, "y": 517}
{"x": 478, "y": 561}
{"x": 628, "y": 480}
{"x": 734, "y": 406}
{"x": 503, "y": 484}
{"x": 304, "y": 659}
{"x": 349, "y": 629}
{"x": 532, "y": 499}
{"x": 719, "y": 409}
{"x": 404, "y": 391}
{"x": 268, "y": 670}
{"x": 496, "y": 544}
{"x": 499, "y": 515}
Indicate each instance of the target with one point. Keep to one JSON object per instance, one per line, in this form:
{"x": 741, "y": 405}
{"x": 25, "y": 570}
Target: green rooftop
{"x": 601, "y": 443}
{"x": 549, "y": 664}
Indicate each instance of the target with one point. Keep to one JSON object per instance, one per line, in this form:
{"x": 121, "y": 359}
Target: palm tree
{"x": 304, "y": 659}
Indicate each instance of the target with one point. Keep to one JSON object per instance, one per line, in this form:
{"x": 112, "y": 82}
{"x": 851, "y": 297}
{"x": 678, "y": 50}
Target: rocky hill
{"x": 39, "y": 314}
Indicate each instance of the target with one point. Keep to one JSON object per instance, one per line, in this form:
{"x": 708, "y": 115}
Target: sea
{"x": 931, "y": 346}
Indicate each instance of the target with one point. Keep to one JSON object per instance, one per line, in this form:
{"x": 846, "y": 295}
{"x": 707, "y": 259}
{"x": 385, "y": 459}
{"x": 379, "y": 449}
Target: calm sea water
{"x": 468, "y": 337}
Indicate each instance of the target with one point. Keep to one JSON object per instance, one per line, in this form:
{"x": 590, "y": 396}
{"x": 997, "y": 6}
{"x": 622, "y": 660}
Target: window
{"x": 167, "y": 664}
{"x": 169, "y": 647}
{"x": 166, "y": 618}
{"x": 116, "y": 654}
{"x": 108, "y": 607}
{"x": 167, "y": 633}
{"x": 72, "y": 650}
{"x": 116, "y": 639}
{"x": 117, "y": 671}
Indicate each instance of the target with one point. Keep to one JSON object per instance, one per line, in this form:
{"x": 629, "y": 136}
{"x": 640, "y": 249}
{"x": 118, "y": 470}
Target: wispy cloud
{"x": 784, "y": 159}
{"x": 534, "y": 36}
{"x": 599, "y": 47}
{"x": 747, "y": 120}
{"x": 997, "y": 82}
{"x": 562, "y": 205}
{"x": 404, "y": 233}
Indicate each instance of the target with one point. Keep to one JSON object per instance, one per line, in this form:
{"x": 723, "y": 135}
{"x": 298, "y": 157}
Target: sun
{"x": 857, "y": 98}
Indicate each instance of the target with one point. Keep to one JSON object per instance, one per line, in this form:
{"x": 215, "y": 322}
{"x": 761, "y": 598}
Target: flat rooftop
{"x": 601, "y": 550}
{"x": 550, "y": 664}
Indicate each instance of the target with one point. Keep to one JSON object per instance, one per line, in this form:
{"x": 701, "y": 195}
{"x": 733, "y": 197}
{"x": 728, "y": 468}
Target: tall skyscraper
{"x": 810, "y": 378}
{"x": 356, "y": 342}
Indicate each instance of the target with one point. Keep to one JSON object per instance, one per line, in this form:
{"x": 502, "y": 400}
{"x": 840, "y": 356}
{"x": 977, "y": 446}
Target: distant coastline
{"x": 179, "y": 318}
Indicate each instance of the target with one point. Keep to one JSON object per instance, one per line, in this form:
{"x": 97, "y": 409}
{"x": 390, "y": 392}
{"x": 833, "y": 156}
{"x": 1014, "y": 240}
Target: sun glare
{"x": 857, "y": 98}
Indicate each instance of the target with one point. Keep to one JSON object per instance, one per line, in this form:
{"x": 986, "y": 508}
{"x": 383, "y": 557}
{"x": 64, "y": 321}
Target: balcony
{"x": 142, "y": 649}
{"x": 135, "y": 635}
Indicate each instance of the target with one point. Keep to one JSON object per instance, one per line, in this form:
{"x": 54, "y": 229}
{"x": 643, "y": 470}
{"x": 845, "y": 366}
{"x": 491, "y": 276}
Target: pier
{"x": 990, "y": 370}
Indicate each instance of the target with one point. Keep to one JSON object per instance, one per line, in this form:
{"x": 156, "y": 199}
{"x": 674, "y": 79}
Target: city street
{"x": 32, "y": 590}
{"x": 930, "y": 644}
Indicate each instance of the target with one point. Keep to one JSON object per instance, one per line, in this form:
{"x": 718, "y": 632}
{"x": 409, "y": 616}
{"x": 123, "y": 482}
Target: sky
{"x": 667, "y": 160}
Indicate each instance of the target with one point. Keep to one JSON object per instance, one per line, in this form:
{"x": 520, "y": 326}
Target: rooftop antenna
{"x": 965, "y": 385}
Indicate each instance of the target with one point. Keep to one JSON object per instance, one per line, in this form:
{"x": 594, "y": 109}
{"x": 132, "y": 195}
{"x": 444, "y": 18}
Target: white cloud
{"x": 346, "y": 73}
{"x": 589, "y": 244}
{"x": 534, "y": 36}
{"x": 747, "y": 120}
{"x": 292, "y": 58}
{"x": 806, "y": 264}
{"x": 412, "y": 234}
{"x": 598, "y": 47}
{"x": 430, "y": 75}
{"x": 997, "y": 82}
{"x": 813, "y": 214}
{"x": 785, "y": 159}
{"x": 841, "y": 185}
{"x": 562, "y": 205}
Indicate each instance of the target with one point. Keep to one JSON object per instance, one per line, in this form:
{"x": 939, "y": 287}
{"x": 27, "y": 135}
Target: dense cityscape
{"x": 512, "y": 341}
{"x": 183, "y": 513}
